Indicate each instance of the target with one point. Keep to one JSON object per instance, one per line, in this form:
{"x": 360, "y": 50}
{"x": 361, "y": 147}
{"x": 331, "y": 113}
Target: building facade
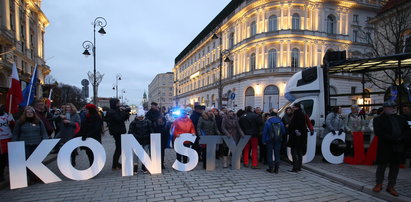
{"x": 260, "y": 43}
{"x": 22, "y": 31}
{"x": 160, "y": 90}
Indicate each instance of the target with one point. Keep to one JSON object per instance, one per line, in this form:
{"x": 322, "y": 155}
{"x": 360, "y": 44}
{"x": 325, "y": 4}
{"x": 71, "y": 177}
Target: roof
{"x": 371, "y": 64}
{"x": 210, "y": 27}
{"x": 392, "y": 4}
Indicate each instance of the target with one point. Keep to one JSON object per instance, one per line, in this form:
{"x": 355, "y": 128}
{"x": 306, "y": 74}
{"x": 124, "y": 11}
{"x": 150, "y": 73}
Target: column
{"x": 305, "y": 55}
{"x": 265, "y": 20}
{"x": 263, "y": 61}
{"x": 288, "y": 53}
{"x": 257, "y": 22}
{"x": 246, "y": 66}
{"x": 346, "y": 23}
{"x": 339, "y": 22}
{"x": 281, "y": 18}
{"x": 17, "y": 20}
{"x": 322, "y": 52}
{"x": 257, "y": 56}
{"x": 311, "y": 59}
{"x": 315, "y": 53}
{"x": 235, "y": 64}
{"x": 28, "y": 27}
{"x": 5, "y": 4}
{"x": 289, "y": 17}
{"x": 304, "y": 19}
{"x": 281, "y": 54}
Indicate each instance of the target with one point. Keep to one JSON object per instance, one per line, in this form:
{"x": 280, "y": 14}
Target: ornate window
{"x": 295, "y": 57}
{"x": 296, "y": 21}
{"x": 331, "y": 24}
{"x": 272, "y": 58}
{"x": 252, "y": 62}
{"x": 272, "y": 23}
{"x": 253, "y": 28}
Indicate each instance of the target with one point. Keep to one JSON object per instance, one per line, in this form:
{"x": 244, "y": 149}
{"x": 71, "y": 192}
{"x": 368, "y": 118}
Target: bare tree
{"x": 50, "y": 80}
{"x": 385, "y": 36}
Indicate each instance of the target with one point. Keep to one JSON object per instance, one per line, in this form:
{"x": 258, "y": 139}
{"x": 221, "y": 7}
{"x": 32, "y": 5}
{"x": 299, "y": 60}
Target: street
{"x": 196, "y": 185}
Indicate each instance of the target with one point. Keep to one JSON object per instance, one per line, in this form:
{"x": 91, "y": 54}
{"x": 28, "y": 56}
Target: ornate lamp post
{"x": 223, "y": 53}
{"x": 95, "y": 77}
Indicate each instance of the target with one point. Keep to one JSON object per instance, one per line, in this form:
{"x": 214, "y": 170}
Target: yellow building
{"x": 22, "y": 25}
{"x": 264, "y": 42}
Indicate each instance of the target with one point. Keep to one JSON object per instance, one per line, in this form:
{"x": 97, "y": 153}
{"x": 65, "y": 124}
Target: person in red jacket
{"x": 180, "y": 126}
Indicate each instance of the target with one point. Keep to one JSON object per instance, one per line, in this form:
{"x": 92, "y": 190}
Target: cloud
{"x": 143, "y": 38}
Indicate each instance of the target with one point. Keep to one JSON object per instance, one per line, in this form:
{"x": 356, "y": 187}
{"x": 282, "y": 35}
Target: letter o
{"x": 64, "y": 160}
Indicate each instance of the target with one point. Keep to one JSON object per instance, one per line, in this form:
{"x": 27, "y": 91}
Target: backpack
{"x": 275, "y": 132}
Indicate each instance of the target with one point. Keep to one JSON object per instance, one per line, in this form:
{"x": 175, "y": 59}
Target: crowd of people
{"x": 269, "y": 133}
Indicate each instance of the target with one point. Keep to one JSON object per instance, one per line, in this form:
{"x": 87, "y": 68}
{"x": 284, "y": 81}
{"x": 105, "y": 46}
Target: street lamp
{"x": 115, "y": 87}
{"x": 96, "y": 79}
{"x": 122, "y": 95}
{"x": 223, "y": 53}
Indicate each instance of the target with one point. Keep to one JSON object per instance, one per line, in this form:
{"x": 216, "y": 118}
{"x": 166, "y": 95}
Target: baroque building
{"x": 22, "y": 31}
{"x": 263, "y": 43}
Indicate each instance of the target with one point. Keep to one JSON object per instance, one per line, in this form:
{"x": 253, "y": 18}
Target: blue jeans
{"x": 275, "y": 146}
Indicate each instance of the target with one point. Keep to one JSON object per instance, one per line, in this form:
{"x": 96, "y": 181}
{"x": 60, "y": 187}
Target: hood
{"x": 113, "y": 103}
{"x": 274, "y": 119}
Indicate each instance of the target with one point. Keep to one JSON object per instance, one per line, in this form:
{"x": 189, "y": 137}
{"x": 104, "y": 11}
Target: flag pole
{"x": 11, "y": 98}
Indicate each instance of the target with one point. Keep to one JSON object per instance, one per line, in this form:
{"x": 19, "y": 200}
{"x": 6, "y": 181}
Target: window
{"x": 355, "y": 36}
{"x": 407, "y": 44}
{"x": 308, "y": 106}
{"x": 231, "y": 40}
{"x": 253, "y": 28}
{"x": 272, "y": 23}
{"x": 272, "y": 58}
{"x": 355, "y": 18}
{"x": 295, "y": 57}
{"x": 331, "y": 24}
{"x": 353, "y": 88}
{"x": 252, "y": 62}
{"x": 296, "y": 21}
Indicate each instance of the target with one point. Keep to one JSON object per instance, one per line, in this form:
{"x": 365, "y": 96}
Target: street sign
{"x": 232, "y": 96}
{"x": 85, "y": 82}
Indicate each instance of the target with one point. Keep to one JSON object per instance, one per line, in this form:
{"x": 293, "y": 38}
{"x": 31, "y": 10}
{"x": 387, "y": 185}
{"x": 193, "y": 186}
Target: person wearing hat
{"x": 115, "y": 119}
{"x": 141, "y": 128}
{"x": 154, "y": 112}
{"x": 91, "y": 127}
{"x": 393, "y": 132}
{"x": 180, "y": 126}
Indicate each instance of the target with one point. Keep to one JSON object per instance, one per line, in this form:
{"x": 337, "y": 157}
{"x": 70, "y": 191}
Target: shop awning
{"x": 371, "y": 64}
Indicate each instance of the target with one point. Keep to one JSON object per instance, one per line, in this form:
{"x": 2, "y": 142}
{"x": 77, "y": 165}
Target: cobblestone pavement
{"x": 364, "y": 175}
{"x": 196, "y": 185}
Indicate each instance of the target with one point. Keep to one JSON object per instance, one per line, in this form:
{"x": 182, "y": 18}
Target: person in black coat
{"x": 250, "y": 123}
{"x": 154, "y": 113}
{"x": 393, "y": 132}
{"x": 141, "y": 128}
{"x": 297, "y": 136}
{"x": 115, "y": 119}
{"x": 160, "y": 126}
{"x": 91, "y": 127}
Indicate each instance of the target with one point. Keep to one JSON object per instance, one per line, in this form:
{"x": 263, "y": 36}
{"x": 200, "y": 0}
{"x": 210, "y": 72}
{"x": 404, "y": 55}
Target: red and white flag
{"x": 14, "y": 95}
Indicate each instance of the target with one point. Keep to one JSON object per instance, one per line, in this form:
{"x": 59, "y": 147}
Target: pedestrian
{"x": 250, "y": 123}
{"x": 160, "y": 126}
{"x": 218, "y": 116}
{"x": 334, "y": 123}
{"x": 153, "y": 113}
{"x": 69, "y": 126}
{"x": 116, "y": 118}
{"x": 30, "y": 129}
{"x": 272, "y": 137}
{"x": 286, "y": 119}
{"x": 393, "y": 132}
{"x": 41, "y": 113}
{"x": 207, "y": 126}
{"x": 91, "y": 127}
{"x": 354, "y": 123}
{"x": 261, "y": 146}
{"x": 180, "y": 126}
{"x": 195, "y": 116}
{"x": 141, "y": 127}
{"x": 297, "y": 136}
{"x": 6, "y": 126}
{"x": 231, "y": 128}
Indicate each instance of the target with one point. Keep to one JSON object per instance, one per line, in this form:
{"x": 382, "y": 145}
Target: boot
{"x": 377, "y": 188}
{"x": 135, "y": 169}
{"x": 225, "y": 161}
{"x": 392, "y": 191}
{"x": 276, "y": 169}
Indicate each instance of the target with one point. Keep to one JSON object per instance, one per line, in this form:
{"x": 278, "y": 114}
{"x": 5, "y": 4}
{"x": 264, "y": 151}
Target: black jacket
{"x": 92, "y": 127}
{"x": 195, "y": 116}
{"x": 153, "y": 115}
{"x": 116, "y": 119}
{"x": 141, "y": 130}
{"x": 391, "y": 141}
{"x": 298, "y": 122}
{"x": 250, "y": 123}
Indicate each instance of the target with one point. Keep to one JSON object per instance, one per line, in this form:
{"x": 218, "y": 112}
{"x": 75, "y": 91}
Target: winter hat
{"x": 90, "y": 106}
{"x": 140, "y": 111}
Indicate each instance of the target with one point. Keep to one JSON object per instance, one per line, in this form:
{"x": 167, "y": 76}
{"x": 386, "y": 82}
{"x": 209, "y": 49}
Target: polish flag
{"x": 14, "y": 95}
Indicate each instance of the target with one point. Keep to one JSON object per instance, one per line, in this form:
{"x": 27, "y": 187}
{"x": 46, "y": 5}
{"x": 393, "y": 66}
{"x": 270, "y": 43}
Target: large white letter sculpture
{"x": 311, "y": 145}
{"x": 129, "y": 144}
{"x": 64, "y": 163}
{"x": 211, "y": 142}
{"x": 236, "y": 150}
{"x": 18, "y": 163}
{"x": 190, "y": 153}
{"x": 325, "y": 148}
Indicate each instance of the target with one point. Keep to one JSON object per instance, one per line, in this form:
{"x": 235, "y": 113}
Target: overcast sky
{"x": 143, "y": 38}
